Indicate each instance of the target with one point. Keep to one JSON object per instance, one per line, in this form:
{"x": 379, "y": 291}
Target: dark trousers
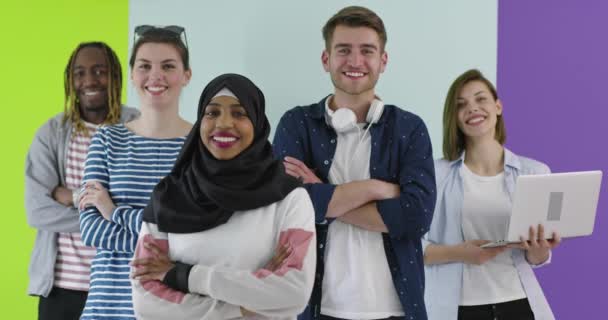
{"x": 324, "y": 317}
{"x": 62, "y": 304}
{"x": 510, "y": 310}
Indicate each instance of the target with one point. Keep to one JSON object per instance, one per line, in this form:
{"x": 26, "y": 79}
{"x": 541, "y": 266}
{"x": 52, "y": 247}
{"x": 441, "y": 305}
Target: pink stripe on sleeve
{"x": 298, "y": 241}
{"x": 156, "y": 287}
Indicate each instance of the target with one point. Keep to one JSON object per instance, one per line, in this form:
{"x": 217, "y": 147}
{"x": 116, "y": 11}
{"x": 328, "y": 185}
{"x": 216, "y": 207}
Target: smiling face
{"x": 90, "y": 79}
{"x": 478, "y": 111}
{"x": 158, "y": 74}
{"x": 226, "y": 129}
{"x": 355, "y": 60}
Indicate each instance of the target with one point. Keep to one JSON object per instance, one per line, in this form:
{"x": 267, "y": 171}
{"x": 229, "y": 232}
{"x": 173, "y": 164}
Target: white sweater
{"x": 228, "y": 265}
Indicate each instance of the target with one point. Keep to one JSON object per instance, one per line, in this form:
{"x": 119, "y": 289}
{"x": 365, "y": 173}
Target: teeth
{"x": 354, "y": 74}
{"x": 476, "y": 120}
{"x": 91, "y": 93}
{"x": 156, "y": 89}
{"x": 224, "y": 139}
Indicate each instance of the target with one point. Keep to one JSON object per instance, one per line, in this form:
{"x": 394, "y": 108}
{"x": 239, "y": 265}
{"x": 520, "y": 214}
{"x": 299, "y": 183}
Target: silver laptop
{"x": 562, "y": 202}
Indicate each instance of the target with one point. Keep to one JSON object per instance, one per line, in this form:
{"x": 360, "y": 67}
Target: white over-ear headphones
{"x": 344, "y": 119}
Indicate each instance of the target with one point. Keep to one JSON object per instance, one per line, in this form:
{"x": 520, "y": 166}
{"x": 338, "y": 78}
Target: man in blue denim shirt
{"x": 368, "y": 168}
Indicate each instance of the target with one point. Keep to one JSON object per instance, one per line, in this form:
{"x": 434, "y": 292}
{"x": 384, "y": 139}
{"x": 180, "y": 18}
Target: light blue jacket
{"x": 444, "y": 281}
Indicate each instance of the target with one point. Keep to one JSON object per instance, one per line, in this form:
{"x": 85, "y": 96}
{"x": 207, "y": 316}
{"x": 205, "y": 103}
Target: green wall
{"x": 37, "y": 39}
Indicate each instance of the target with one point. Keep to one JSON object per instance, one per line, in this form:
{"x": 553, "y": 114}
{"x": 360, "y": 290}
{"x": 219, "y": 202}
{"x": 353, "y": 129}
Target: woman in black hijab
{"x": 228, "y": 233}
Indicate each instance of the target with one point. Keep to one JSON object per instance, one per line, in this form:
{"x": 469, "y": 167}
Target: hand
{"x": 95, "y": 195}
{"x": 153, "y": 268}
{"x": 470, "y": 252}
{"x": 246, "y": 313}
{"x": 537, "y": 247}
{"x": 63, "y": 195}
{"x": 298, "y": 169}
{"x": 280, "y": 254}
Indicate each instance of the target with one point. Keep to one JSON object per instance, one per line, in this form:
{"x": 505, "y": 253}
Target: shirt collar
{"x": 318, "y": 110}
{"x": 511, "y": 160}
{"x": 328, "y": 112}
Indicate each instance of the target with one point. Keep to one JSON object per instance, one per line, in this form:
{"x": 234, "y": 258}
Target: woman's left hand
{"x": 153, "y": 268}
{"x": 537, "y": 247}
{"x": 96, "y": 195}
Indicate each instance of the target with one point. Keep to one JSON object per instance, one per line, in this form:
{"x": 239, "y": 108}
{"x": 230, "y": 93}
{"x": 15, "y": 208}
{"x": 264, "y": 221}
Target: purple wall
{"x": 553, "y": 80}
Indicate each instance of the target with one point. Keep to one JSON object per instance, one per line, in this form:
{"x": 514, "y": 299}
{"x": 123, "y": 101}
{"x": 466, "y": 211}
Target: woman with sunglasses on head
{"x": 475, "y": 183}
{"x": 124, "y": 164}
{"x": 228, "y": 233}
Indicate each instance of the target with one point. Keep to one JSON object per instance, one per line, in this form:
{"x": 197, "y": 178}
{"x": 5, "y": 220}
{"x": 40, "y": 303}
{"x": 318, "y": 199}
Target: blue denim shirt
{"x": 400, "y": 153}
{"x": 444, "y": 281}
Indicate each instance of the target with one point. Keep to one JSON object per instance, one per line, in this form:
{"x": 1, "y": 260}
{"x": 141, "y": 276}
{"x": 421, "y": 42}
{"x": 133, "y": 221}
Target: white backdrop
{"x": 278, "y": 44}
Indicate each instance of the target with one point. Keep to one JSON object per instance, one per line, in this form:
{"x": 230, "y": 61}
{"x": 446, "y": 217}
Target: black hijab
{"x": 202, "y": 192}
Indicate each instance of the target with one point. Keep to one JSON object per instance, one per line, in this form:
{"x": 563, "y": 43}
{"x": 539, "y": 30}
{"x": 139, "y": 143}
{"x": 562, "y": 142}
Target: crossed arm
{"x": 403, "y": 209}
{"x": 280, "y": 288}
{"x": 353, "y": 202}
{"x": 47, "y": 204}
{"x": 102, "y": 224}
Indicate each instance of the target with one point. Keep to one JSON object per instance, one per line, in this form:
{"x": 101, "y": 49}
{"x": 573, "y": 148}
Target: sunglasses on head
{"x": 141, "y": 31}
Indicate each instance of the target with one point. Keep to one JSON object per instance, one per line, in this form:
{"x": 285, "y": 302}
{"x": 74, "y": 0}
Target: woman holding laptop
{"x": 475, "y": 183}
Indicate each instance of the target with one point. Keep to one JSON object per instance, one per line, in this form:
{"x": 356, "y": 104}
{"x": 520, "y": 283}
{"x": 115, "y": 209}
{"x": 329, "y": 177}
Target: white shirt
{"x": 443, "y": 286}
{"x": 486, "y": 208}
{"x": 229, "y": 265}
{"x": 357, "y": 282}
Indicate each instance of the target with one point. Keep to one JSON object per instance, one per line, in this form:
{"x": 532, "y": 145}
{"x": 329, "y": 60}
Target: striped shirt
{"x": 73, "y": 263}
{"x": 129, "y": 166}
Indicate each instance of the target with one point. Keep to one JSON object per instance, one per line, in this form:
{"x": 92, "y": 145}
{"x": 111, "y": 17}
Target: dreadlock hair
{"x": 72, "y": 105}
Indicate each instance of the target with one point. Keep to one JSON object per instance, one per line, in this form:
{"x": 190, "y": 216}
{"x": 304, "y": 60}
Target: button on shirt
{"x": 357, "y": 283}
{"x": 400, "y": 153}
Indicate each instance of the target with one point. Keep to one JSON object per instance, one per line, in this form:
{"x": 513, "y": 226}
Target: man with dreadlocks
{"x": 60, "y": 263}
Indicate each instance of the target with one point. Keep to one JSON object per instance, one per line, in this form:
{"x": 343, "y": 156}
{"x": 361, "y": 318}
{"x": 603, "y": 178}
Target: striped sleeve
{"x": 97, "y": 231}
{"x": 128, "y": 217}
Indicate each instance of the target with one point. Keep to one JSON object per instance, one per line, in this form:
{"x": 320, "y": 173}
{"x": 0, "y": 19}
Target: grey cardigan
{"x": 45, "y": 170}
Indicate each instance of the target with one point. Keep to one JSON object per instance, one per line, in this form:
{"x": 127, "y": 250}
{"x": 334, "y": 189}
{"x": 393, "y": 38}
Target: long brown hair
{"x": 453, "y": 138}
